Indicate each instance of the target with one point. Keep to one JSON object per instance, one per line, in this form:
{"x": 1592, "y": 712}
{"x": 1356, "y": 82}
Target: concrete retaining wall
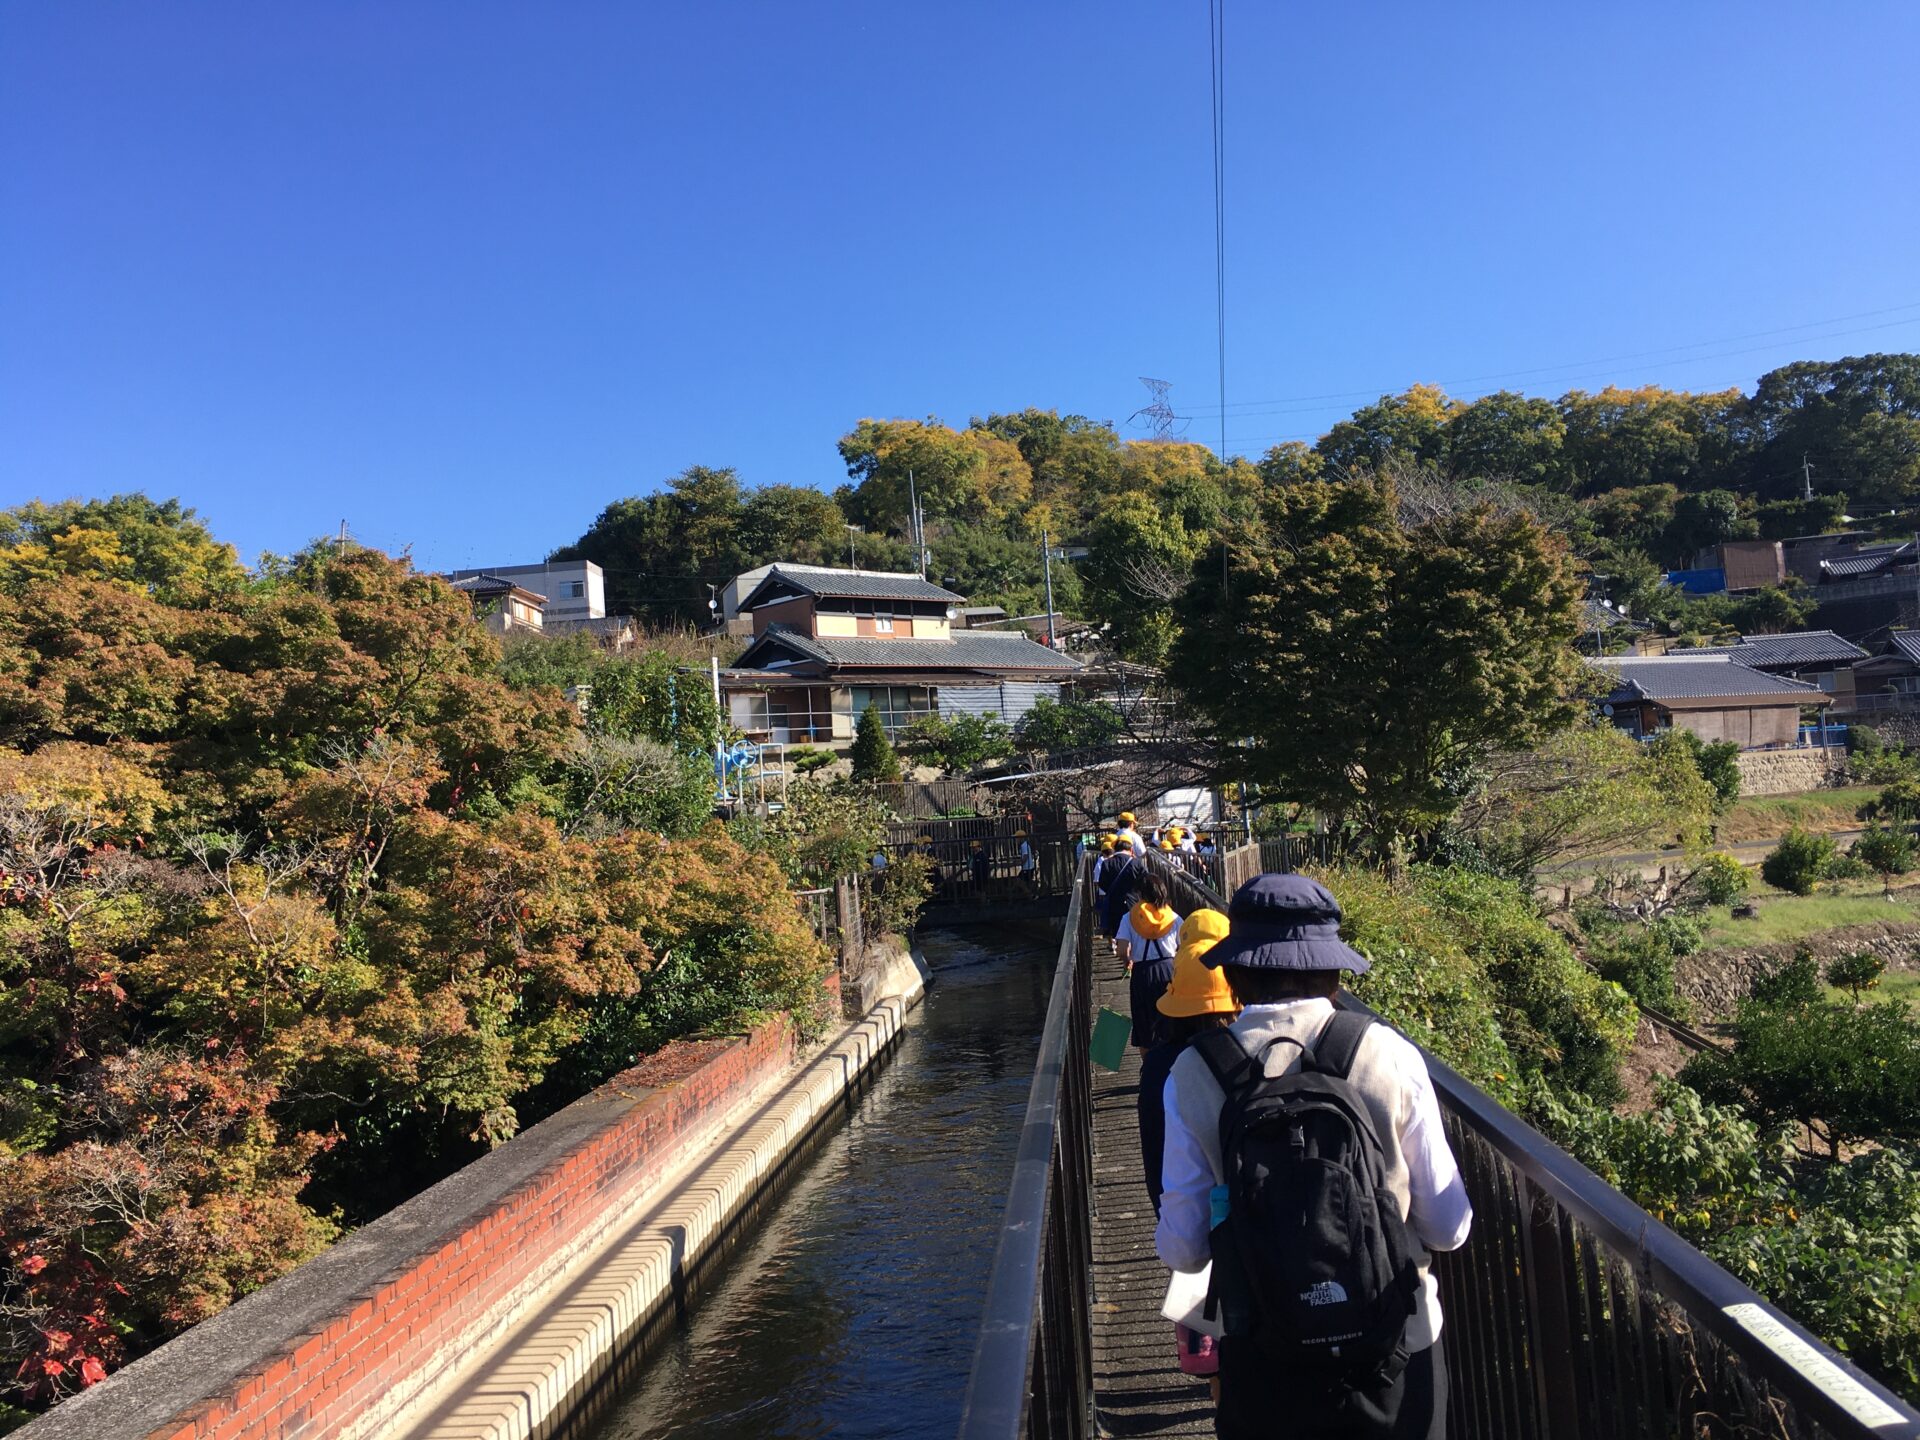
{"x": 1787, "y": 772}
{"x": 361, "y": 1338}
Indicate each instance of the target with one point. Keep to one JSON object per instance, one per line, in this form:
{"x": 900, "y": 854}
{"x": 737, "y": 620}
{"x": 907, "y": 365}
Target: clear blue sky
{"x": 463, "y": 273}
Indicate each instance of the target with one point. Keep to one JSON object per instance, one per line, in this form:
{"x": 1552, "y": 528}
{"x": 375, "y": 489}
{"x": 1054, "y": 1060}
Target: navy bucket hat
{"x": 1285, "y": 922}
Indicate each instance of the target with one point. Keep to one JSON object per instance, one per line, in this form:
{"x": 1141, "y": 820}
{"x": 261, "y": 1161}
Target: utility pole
{"x": 1806, "y": 475}
{"x": 1046, "y": 565}
{"x": 915, "y": 525}
{"x": 719, "y": 722}
{"x": 342, "y": 547}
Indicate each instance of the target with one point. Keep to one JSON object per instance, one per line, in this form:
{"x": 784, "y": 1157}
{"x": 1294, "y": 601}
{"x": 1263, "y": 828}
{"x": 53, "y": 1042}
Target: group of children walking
{"x": 1294, "y": 1155}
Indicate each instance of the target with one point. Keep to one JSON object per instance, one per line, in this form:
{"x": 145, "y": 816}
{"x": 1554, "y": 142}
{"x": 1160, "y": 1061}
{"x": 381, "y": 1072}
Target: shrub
{"x": 1550, "y": 1006}
{"x": 895, "y": 897}
{"x": 1719, "y": 879}
{"x": 1718, "y": 762}
{"x": 1848, "y": 1266}
{"x": 1799, "y": 862}
{"x": 805, "y": 759}
{"x": 1465, "y": 964}
{"x": 1857, "y": 973}
{"x": 1700, "y": 1168}
{"x": 1796, "y": 982}
{"x": 1854, "y": 1068}
{"x": 1068, "y": 725}
{"x": 1887, "y": 850}
{"x": 960, "y": 743}
{"x": 872, "y": 753}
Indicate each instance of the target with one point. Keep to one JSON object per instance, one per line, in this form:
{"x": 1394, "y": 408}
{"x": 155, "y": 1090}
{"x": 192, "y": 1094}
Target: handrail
{"x": 1046, "y": 1233}
{"x": 1768, "y": 1343}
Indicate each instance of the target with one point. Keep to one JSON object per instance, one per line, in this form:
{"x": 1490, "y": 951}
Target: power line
{"x": 1217, "y": 59}
{"x": 1248, "y": 407}
{"x": 1470, "y": 395}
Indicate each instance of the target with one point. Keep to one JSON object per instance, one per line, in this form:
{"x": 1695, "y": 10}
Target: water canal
{"x": 853, "y": 1308}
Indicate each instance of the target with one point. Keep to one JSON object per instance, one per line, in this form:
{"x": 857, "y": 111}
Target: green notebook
{"x": 1110, "y": 1035}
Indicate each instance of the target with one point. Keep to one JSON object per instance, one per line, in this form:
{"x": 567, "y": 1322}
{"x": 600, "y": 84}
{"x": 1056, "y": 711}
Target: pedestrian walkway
{"x": 1137, "y": 1386}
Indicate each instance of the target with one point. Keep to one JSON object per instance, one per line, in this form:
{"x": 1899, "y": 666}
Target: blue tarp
{"x": 1698, "y": 582}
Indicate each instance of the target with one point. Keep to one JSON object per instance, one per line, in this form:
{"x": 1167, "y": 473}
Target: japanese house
{"x": 830, "y": 644}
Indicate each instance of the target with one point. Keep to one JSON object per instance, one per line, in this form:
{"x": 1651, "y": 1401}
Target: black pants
{"x": 1258, "y": 1402}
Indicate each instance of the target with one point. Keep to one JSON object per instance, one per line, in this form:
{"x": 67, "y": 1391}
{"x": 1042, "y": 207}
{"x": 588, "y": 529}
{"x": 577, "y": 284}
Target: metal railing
{"x": 1033, "y": 1366}
{"x": 1571, "y": 1314}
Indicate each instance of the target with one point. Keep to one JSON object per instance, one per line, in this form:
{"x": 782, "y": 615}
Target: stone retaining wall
{"x": 1716, "y": 981}
{"x": 1787, "y": 772}
{"x": 360, "y": 1332}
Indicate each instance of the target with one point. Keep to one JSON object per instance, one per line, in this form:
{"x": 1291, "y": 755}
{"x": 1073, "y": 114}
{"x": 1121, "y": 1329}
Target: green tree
{"x": 1369, "y": 663}
{"x": 1138, "y": 560}
{"x": 160, "y": 546}
{"x": 1717, "y": 762}
{"x": 1508, "y": 436}
{"x": 1587, "y": 790}
{"x": 1631, "y": 439}
{"x": 1055, "y": 725}
{"x": 1887, "y": 850}
{"x": 790, "y": 522}
{"x": 1853, "y": 1068}
{"x": 1856, "y": 973}
{"x": 1857, "y": 420}
{"x": 1410, "y": 427}
{"x": 1799, "y": 862}
{"x": 970, "y": 475}
{"x": 961, "y": 743}
{"x": 872, "y": 753}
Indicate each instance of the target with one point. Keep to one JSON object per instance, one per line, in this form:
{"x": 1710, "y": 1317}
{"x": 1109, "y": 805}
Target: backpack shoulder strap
{"x": 1220, "y": 1049}
{"x": 1339, "y": 1043}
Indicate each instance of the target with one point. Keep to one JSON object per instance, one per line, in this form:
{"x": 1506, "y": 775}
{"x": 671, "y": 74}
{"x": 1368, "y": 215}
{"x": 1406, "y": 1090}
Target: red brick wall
{"x": 320, "y": 1382}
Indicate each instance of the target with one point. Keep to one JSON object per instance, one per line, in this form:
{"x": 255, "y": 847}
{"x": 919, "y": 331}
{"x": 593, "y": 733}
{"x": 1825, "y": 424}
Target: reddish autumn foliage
{"x": 294, "y": 919}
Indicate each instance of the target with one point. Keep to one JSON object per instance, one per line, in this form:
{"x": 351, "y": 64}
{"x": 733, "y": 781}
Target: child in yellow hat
{"x": 1195, "y": 999}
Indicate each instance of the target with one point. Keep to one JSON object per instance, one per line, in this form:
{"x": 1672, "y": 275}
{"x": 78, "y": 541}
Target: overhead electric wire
{"x": 1247, "y": 407}
{"x": 1217, "y": 56}
{"x": 1456, "y": 394}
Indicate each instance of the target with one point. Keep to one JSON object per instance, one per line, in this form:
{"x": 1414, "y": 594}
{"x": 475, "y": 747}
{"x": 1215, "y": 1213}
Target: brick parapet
{"x": 357, "y": 1332}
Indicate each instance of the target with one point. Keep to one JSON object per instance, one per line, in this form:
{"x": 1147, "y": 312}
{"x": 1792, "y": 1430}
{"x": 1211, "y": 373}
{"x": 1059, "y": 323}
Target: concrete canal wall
{"x": 576, "y": 1235}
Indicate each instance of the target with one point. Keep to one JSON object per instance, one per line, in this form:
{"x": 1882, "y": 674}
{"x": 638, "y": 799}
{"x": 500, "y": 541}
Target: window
{"x": 576, "y": 589}
{"x": 883, "y": 624}
{"x": 899, "y": 705}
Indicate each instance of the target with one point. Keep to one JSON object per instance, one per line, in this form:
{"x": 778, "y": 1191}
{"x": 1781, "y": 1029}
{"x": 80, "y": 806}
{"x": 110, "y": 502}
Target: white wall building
{"x": 575, "y": 589}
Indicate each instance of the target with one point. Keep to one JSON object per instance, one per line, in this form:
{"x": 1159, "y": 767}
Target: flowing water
{"x": 853, "y": 1309}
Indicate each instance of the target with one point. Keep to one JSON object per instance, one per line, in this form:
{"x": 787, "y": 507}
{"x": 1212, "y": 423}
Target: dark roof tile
{"x": 1696, "y": 676}
{"x": 853, "y": 584}
{"x": 967, "y": 650}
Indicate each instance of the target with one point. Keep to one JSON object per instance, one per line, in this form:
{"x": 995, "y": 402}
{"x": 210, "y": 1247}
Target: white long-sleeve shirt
{"x": 1391, "y": 1077}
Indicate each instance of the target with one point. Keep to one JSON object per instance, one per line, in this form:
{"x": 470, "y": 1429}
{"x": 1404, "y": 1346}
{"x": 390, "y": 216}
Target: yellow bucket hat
{"x": 1194, "y": 989}
{"x": 1126, "y": 817}
{"x": 1107, "y": 842}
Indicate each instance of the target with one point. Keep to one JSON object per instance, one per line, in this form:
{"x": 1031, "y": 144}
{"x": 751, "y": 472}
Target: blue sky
{"x": 463, "y": 273}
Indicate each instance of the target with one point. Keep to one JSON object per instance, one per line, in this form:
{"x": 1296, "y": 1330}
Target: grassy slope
{"x": 1761, "y": 817}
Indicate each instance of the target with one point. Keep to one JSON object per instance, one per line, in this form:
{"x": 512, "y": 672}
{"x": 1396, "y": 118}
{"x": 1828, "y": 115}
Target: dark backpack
{"x": 1312, "y": 1263}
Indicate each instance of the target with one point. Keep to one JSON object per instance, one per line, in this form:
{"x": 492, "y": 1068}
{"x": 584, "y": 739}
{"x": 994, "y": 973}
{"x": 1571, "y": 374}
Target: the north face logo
{"x": 1327, "y": 1292}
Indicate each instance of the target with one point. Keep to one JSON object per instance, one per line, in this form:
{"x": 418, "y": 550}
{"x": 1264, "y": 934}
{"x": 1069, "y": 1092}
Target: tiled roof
{"x": 1694, "y": 677}
{"x": 1595, "y": 616}
{"x": 1799, "y": 647}
{"x": 1907, "y": 643}
{"x": 967, "y": 650}
{"x": 853, "y": 584}
{"x": 484, "y": 584}
{"x": 1871, "y": 560}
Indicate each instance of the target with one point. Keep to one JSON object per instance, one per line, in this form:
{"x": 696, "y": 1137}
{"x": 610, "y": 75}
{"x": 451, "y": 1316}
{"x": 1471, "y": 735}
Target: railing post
{"x": 1549, "y": 1329}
